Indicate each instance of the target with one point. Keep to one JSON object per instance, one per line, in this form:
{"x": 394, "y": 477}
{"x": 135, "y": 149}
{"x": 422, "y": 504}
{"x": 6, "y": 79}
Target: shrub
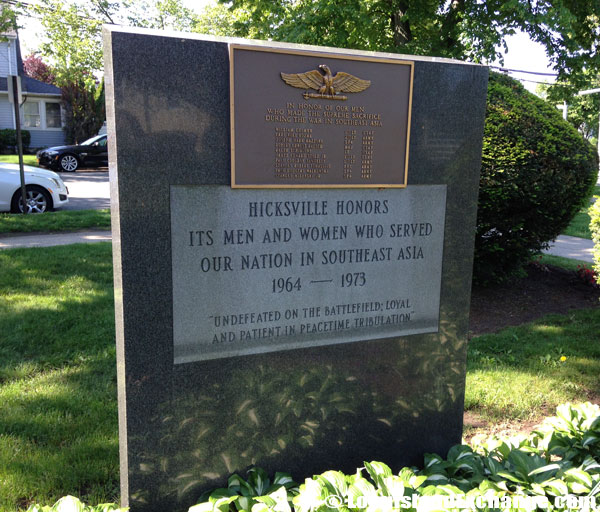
{"x": 537, "y": 171}
{"x": 8, "y": 139}
{"x": 594, "y": 213}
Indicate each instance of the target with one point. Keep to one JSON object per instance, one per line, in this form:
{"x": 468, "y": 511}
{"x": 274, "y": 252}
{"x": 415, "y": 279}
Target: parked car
{"x": 45, "y": 190}
{"x": 90, "y": 153}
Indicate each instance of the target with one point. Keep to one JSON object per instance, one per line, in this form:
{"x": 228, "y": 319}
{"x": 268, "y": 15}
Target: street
{"x": 87, "y": 190}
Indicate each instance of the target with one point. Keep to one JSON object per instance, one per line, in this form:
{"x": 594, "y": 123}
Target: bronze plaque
{"x": 312, "y": 119}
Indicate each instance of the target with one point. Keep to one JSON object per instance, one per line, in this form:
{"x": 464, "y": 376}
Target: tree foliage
{"x": 465, "y": 29}
{"x": 72, "y": 43}
{"x": 84, "y": 110}
{"x": 582, "y": 110}
{"x": 36, "y": 68}
{"x": 8, "y": 18}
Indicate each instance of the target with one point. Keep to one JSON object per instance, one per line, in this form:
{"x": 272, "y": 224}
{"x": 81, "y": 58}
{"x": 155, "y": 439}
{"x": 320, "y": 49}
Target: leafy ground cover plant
{"x": 72, "y": 504}
{"x": 560, "y": 459}
{"x": 587, "y": 275}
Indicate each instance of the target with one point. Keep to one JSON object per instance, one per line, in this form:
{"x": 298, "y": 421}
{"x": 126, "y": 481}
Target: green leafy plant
{"x": 8, "y": 139}
{"x": 594, "y": 213}
{"x": 587, "y": 275}
{"x": 560, "y": 458}
{"x": 72, "y": 504}
{"x": 537, "y": 172}
{"x": 255, "y": 494}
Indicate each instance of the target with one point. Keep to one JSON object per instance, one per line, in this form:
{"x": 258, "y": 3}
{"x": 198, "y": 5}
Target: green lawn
{"x": 558, "y": 261}
{"x": 518, "y": 373}
{"x": 58, "y": 409}
{"x": 14, "y": 159}
{"x": 580, "y": 225}
{"x": 67, "y": 220}
{"x": 58, "y": 406}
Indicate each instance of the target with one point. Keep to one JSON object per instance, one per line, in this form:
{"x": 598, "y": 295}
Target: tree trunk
{"x": 400, "y": 29}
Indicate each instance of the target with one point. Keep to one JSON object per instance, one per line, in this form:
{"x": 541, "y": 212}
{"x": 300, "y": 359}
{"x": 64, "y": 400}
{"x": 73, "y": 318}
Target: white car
{"x": 45, "y": 190}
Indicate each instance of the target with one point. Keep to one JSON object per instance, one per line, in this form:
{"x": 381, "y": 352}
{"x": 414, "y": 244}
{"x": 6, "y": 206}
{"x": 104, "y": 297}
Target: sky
{"x": 523, "y": 54}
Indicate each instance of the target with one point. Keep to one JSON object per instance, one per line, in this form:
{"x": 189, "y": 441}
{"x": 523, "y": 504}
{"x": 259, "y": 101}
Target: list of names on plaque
{"x": 301, "y": 155}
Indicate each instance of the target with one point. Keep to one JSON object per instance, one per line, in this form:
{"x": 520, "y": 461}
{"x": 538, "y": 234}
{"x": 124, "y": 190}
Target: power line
{"x": 506, "y": 70}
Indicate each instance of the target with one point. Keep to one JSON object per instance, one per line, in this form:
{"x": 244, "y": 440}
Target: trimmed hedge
{"x": 537, "y": 172}
{"x": 8, "y": 139}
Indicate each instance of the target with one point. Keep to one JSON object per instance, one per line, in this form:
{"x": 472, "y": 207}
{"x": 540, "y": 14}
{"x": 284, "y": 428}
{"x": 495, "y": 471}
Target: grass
{"x": 58, "y": 406}
{"x": 58, "y": 409}
{"x": 14, "y": 159}
{"x": 55, "y": 221}
{"x": 524, "y": 372}
{"x": 580, "y": 225}
{"x": 559, "y": 261}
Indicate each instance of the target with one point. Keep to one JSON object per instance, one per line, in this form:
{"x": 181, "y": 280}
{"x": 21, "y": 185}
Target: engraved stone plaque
{"x": 262, "y": 271}
{"x": 309, "y": 119}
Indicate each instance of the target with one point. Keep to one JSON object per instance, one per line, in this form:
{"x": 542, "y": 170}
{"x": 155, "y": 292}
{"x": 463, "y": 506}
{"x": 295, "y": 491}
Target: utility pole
{"x": 14, "y": 96}
{"x": 593, "y": 91}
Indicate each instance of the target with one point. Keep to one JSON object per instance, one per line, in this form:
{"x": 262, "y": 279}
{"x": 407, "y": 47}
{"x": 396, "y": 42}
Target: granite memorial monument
{"x": 293, "y": 240}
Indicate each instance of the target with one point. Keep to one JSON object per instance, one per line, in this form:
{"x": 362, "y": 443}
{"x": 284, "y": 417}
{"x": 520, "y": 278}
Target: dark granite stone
{"x": 184, "y": 428}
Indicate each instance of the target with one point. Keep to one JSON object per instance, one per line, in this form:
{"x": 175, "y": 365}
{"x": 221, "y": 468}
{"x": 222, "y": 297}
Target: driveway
{"x": 88, "y": 190}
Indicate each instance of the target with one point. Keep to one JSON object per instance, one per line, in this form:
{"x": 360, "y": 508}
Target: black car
{"x": 90, "y": 153}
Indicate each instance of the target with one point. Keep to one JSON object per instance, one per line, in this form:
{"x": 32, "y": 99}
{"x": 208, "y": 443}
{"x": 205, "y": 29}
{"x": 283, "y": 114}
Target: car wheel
{"x": 68, "y": 163}
{"x": 38, "y": 200}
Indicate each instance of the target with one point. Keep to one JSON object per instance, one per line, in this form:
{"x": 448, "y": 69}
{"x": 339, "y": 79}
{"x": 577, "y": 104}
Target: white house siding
{"x": 8, "y": 58}
{"x": 6, "y": 113}
{"x": 46, "y": 138}
{"x": 39, "y": 138}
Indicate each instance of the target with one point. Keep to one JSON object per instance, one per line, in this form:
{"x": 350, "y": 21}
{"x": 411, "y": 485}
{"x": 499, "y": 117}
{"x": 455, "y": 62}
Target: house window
{"x": 31, "y": 115}
{"x": 41, "y": 114}
{"x": 53, "y": 119}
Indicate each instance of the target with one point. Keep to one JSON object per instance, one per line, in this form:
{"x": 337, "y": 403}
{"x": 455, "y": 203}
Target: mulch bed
{"x": 546, "y": 289}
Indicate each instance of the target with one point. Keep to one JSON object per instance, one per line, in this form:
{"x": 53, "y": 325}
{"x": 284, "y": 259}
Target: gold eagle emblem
{"x": 322, "y": 80}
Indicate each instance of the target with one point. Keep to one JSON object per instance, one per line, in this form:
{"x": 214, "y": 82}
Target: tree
{"x": 8, "y": 18}
{"x": 159, "y": 14}
{"x": 73, "y": 40}
{"x": 583, "y": 111}
{"x": 36, "y": 68}
{"x": 464, "y": 29}
{"x": 84, "y": 110}
{"x": 74, "y": 46}
{"x": 216, "y": 20}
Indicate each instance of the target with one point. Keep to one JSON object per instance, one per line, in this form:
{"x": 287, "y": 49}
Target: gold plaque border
{"x": 237, "y": 46}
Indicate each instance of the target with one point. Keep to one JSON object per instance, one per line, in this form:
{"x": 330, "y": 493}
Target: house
{"x": 41, "y": 112}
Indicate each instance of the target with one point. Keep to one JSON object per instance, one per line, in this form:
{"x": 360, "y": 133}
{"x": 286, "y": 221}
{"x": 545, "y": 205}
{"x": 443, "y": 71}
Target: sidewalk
{"x": 572, "y": 247}
{"x": 47, "y": 240}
